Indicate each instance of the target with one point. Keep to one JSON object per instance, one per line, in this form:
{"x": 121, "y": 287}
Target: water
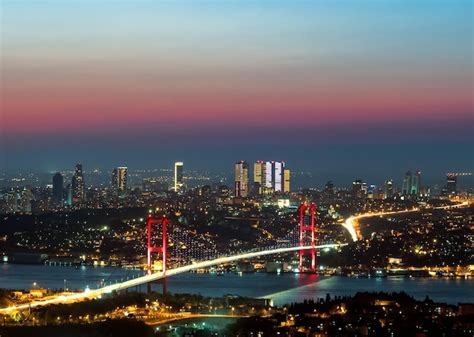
{"x": 283, "y": 288}
{"x": 215, "y": 324}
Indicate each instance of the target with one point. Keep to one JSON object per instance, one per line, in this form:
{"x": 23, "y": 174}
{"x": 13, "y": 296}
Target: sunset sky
{"x": 362, "y": 86}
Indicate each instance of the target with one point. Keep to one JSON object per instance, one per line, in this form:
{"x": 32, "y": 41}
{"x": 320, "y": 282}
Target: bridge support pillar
{"x": 163, "y": 222}
{"x": 307, "y": 224}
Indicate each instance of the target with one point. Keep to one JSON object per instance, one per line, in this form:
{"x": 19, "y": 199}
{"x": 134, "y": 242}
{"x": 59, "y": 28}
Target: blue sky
{"x": 373, "y": 87}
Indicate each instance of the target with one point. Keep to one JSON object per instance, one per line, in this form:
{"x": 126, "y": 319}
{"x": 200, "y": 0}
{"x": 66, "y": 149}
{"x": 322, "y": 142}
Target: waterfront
{"x": 283, "y": 288}
{"x": 215, "y": 324}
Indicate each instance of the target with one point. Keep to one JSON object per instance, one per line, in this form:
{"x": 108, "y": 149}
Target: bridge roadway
{"x": 97, "y": 293}
{"x": 351, "y": 223}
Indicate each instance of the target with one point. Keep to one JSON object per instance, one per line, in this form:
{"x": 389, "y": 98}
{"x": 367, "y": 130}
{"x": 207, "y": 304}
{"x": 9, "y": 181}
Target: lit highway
{"x": 97, "y": 293}
{"x": 351, "y": 223}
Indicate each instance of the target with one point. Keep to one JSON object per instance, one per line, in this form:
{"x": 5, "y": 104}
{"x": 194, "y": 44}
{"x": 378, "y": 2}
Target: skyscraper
{"x": 389, "y": 188}
{"x": 286, "y": 180}
{"x": 69, "y": 195}
{"x": 258, "y": 176}
{"x": 78, "y": 185}
{"x": 58, "y": 188}
{"x": 406, "y": 187}
{"x": 274, "y": 177}
{"x": 119, "y": 179}
{"x": 416, "y": 183}
{"x": 268, "y": 178}
{"x": 241, "y": 181}
{"x": 178, "y": 176}
{"x": 451, "y": 183}
{"x": 412, "y": 183}
{"x": 277, "y": 170}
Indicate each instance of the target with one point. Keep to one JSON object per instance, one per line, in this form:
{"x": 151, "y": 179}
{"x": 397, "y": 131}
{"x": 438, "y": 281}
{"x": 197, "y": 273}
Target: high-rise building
{"x": 274, "y": 177}
{"x": 78, "y": 186}
{"x": 258, "y": 176}
{"x": 371, "y": 191}
{"x": 69, "y": 195}
{"x": 406, "y": 187}
{"x": 389, "y": 188}
{"x": 365, "y": 188}
{"x": 412, "y": 183}
{"x": 58, "y": 188}
{"x": 286, "y": 180}
{"x": 178, "y": 176}
{"x": 357, "y": 188}
{"x": 451, "y": 183}
{"x": 26, "y": 198}
{"x": 241, "y": 181}
{"x": 278, "y": 167}
{"x": 119, "y": 179}
{"x": 268, "y": 178}
{"x": 416, "y": 183}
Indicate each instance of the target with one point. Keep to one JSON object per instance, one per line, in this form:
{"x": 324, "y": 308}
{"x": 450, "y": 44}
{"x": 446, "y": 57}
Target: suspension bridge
{"x": 306, "y": 244}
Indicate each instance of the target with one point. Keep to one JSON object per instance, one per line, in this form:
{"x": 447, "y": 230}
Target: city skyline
{"x": 261, "y": 178}
{"x": 300, "y": 178}
{"x": 236, "y": 168}
{"x": 324, "y": 85}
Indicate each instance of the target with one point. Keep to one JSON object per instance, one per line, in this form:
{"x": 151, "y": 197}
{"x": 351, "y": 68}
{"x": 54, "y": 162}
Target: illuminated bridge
{"x": 301, "y": 239}
{"x": 302, "y": 245}
{"x": 97, "y": 293}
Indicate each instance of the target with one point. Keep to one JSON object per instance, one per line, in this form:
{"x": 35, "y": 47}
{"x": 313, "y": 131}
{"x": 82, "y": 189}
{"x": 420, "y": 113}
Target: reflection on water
{"x": 15, "y": 276}
{"x": 214, "y": 324}
{"x": 283, "y": 288}
{"x": 438, "y": 289}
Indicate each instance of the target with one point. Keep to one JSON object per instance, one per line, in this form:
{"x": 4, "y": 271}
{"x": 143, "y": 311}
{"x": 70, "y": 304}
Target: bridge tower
{"x": 307, "y": 224}
{"x": 163, "y": 222}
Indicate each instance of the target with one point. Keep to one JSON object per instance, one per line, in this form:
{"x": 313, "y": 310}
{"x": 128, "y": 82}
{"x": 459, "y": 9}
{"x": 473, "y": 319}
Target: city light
{"x": 228, "y": 168}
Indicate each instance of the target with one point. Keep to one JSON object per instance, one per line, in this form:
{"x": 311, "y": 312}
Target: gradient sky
{"x": 369, "y": 87}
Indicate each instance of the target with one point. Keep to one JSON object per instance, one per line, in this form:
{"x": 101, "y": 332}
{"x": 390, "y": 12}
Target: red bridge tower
{"x": 307, "y": 224}
{"x": 163, "y": 221}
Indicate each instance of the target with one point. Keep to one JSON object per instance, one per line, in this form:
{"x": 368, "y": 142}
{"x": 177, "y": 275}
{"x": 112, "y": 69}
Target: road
{"x": 97, "y": 293}
{"x": 352, "y": 226}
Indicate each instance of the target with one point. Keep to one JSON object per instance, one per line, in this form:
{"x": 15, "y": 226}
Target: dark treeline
{"x": 108, "y": 328}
